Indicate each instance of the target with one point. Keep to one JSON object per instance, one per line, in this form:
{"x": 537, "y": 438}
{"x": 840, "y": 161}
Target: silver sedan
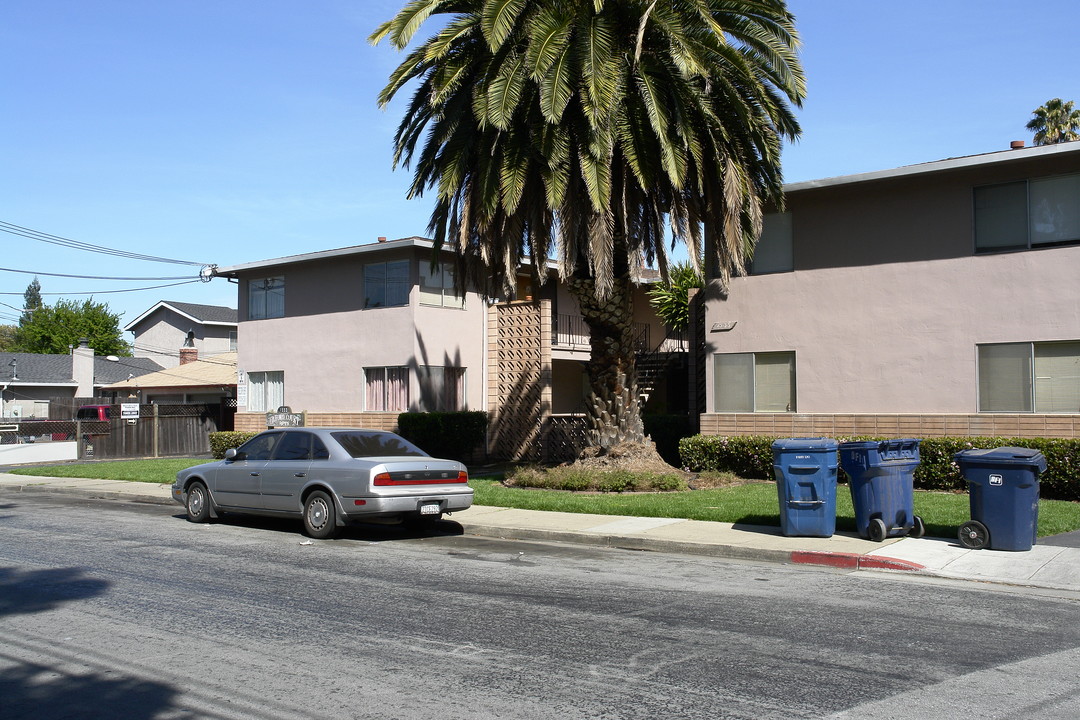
{"x": 329, "y": 477}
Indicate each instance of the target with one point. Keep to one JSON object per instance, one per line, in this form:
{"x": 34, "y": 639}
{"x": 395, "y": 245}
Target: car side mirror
{"x": 231, "y": 454}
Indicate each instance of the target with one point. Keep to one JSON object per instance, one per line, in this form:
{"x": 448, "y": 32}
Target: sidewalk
{"x": 1045, "y": 566}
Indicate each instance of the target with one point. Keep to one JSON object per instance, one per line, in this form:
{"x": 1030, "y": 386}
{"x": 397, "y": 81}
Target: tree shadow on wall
{"x": 516, "y": 427}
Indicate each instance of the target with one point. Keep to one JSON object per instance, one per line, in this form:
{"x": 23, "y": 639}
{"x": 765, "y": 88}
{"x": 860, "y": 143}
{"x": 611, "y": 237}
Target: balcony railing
{"x": 571, "y": 332}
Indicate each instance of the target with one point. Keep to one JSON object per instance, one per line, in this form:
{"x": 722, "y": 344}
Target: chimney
{"x": 82, "y": 368}
{"x": 1016, "y": 145}
{"x": 188, "y": 355}
{"x": 382, "y": 239}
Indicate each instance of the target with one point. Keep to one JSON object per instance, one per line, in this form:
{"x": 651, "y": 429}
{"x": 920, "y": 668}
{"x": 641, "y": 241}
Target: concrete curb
{"x": 853, "y": 561}
{"x": 39, "y": 489}
{"x": 624, "y": 542}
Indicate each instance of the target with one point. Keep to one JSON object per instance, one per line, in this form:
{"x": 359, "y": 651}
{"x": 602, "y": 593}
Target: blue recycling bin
{"x": 805, "y": 471}
{"x": 882, "y": 479}
{"x": 1003, "y": 485}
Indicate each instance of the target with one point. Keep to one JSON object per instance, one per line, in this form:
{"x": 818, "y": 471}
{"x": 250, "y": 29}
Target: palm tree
{"x": 585, "y": 130}
{"x": 1055, "y": 122}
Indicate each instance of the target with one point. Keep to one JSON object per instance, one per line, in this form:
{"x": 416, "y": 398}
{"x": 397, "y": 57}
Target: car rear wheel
{"x": 320, "y": 517}
{"x": 198, "y": 503}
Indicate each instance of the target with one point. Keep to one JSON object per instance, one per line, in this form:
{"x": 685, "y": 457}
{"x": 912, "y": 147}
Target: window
{"x": 266, "y": 391}
{"x": 754, "y": 382}
{"x": 437, "y": 286}
{"x": 386, "y": 284}
{"x": 386, "y": 389}
{"x": 370, "y": 443}
{"x": 442, "y": 389}
{"x": 232, "y": 341}
{"x": 1027, "y": 214}
{"x": 257, "y": 448}
{"x": 266, "y": 298}
{"x": 773, "y": 252}
{"x": 1029, "y": 377}
{"x": 300, "y": 446}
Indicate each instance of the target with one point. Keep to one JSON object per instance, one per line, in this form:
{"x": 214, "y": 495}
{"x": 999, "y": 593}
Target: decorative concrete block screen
{"x": 519, "y": 378}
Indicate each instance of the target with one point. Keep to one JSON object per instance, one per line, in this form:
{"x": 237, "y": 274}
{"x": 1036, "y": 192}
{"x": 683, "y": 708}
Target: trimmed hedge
{"x": 222, "y": 441}
{"x": 451, "y": 435}
{"x": 751, "y": 457}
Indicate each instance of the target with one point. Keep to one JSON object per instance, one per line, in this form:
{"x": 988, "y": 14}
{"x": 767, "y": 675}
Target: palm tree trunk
{"x": 613, "y": 408}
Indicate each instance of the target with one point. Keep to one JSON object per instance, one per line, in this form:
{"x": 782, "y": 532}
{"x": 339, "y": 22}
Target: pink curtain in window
{"x": 397, "y": 389}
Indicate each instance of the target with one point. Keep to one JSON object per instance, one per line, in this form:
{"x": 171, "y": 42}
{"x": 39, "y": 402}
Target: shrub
{"x": 451, "y": 435}
{"x": 222, "y": 441}
{"x": 751, "y": 457}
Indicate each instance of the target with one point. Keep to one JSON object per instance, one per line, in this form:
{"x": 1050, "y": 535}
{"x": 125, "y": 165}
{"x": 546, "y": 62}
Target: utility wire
{"x": 89, "y": 247}
{"x": 93, "y": 277}
{"x": 111, "y": 292}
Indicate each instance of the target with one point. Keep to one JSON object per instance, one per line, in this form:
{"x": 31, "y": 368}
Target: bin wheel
{"x": 918, "y": 529}
{"x": 974, "y": 535}
{"x": 877, "y": 530}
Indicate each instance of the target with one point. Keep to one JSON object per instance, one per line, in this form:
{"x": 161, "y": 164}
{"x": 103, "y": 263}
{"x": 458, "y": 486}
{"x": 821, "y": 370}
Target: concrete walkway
{"x": 1047, "y": 565}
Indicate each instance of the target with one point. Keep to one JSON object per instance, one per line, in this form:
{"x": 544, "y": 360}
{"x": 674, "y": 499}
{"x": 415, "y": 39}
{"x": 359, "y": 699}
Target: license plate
{"x": 430, "y": 509}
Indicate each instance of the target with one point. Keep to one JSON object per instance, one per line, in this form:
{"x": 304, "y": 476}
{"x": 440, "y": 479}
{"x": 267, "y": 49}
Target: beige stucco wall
{"x": 327, "y": 337}
{"x": 161, "y": 335}
{"x": 898, "y": 338}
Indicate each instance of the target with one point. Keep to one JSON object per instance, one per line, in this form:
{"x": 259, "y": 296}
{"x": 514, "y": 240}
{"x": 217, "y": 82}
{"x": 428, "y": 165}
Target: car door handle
{"x": 254, "y": 474}
{"x": 299, "y": 474}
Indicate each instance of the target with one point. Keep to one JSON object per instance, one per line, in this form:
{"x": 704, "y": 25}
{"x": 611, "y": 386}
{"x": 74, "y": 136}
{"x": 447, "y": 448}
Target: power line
{"x": 92, "y": 277}
{"x": 89, "y": 247}
{"x": 112, "y": 292}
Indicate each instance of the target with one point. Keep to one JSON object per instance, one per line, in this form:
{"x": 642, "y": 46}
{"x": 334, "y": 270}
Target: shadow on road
{"x": 32, "y": 591}
{"x": 39, "y": 691}
{"x": 366, "y": 532}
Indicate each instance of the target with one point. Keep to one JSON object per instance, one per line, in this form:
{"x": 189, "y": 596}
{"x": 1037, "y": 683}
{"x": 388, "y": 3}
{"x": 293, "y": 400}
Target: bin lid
{"x": 805, "y": 445}
{"x": 1003, "y": 456}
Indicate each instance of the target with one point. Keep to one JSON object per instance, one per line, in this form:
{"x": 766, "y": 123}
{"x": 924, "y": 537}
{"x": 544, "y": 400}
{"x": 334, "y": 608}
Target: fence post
{"x": 80, "y": 442}
{"x": 157, "y": 429}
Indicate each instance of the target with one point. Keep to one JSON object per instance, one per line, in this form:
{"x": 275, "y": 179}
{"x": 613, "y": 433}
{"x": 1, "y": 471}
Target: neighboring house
{"x": 357, "y": 335}
{"x": 929, "y": 300}
{"x": 29, "y": 381}
{"x": 210, "y": 381}
{"x": 163, "y": 329}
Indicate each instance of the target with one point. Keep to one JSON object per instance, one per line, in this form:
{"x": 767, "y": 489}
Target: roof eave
{"x": 234, "y": 270}
{"x": 994, "y": 158}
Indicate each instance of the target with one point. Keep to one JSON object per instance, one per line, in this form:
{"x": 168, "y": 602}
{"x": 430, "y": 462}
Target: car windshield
{"x": 359, "y": 443}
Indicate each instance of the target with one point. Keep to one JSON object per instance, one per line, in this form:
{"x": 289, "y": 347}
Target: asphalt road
{"x": 120, "y": 610}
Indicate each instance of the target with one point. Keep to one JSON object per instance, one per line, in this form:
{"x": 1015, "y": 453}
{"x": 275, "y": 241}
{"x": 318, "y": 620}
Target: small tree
{"x": 51, "y": 330}
{"x": 31, "y": 301}
{"x": 670, "y": 298}
{"x": 1055, "y": 122}
{"x": 7, "y": 338}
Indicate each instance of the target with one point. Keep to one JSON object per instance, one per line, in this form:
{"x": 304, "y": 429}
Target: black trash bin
{"x": 805, "y": 470}
{"x": 1004, "y": 487}
{"x": 882, "y": 493}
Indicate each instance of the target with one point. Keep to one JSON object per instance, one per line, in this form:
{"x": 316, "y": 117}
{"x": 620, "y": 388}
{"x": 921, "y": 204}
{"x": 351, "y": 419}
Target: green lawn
{"x": 753, "y": 504}
{"x": 157, "y": 470}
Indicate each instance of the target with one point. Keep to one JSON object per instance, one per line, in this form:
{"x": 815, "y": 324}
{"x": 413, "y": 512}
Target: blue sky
{"x": 239, "y": 130}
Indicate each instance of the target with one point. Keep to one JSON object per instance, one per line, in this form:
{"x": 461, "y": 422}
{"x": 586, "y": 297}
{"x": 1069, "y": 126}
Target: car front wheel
{"x": 320, "y": 518}
{"x": 198, "y": 503}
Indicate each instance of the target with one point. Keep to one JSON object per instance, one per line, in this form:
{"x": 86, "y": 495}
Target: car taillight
{"x": 384, "y": 479}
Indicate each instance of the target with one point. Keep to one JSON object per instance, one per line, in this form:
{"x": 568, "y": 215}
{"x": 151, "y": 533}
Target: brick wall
{"x": 918, "y": 426}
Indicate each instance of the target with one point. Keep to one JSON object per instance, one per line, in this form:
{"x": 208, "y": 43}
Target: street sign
{"x": 129, "y": 410}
